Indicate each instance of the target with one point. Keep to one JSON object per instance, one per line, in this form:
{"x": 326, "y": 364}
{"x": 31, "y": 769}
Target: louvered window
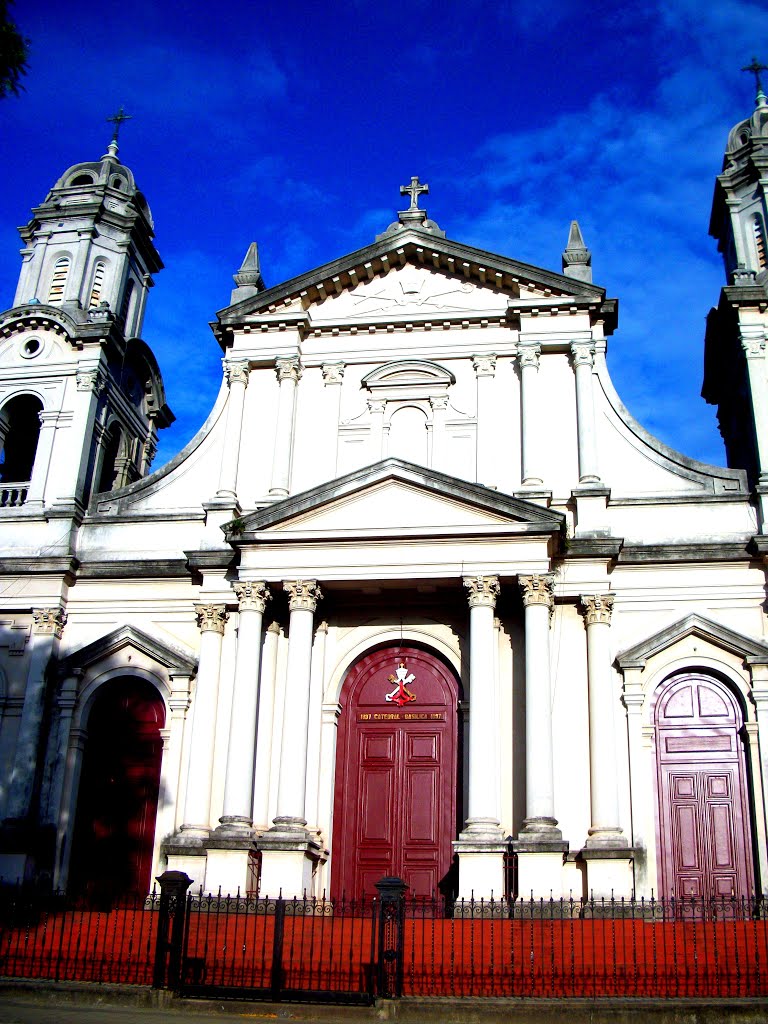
{"x": 757, "y": 227}
{"x": 98, "y": 281}
{"x": 58, "y": 281}
{"x": 126, "y": 306}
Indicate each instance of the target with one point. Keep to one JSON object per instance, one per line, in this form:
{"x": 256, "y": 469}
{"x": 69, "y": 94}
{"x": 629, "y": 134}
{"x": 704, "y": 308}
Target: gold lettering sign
{"x": 393, "y": 716}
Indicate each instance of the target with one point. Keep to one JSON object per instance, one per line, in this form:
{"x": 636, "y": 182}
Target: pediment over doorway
{"x": 395, "y": 497}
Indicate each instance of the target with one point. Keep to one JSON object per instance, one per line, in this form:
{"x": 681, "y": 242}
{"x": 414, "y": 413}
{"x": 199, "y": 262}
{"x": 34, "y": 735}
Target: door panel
{"x": 396, "y": 774}
{"x": 704, "y": 831}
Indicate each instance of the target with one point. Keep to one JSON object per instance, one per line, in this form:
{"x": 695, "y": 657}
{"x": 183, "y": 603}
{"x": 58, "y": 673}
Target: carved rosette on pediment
{"x": 237, "y": 372}
{"x": 333, "y": 373}
{"x": 482, "y": 591}
{"x": 528, "y": 356}
{"x": 303, "y": 595}
{"x": 582, "y": 353}
{"x": 484, "y": 365}
{"x": 288, "y": 368}
{"x": 90, "y": 380}
{"x": 211, "y": 617}
{"x": 49, "y": 621}
{"x": 252, "y": 597}
{"x": 597, "y": 608}
{"x": 539, "y": 588}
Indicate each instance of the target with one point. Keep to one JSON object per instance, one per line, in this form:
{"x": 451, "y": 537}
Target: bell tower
{"x": 89, "y": 244}
{"x": 735, "y": 362}
{"x": 81, "y": 395}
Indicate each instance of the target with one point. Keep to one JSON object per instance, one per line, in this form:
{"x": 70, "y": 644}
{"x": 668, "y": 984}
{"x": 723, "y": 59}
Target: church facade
{"x": 420, "y": 598}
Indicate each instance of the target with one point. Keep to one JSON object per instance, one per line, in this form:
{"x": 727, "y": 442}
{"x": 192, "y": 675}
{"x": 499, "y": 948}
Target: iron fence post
{"x": 170, "y": 928}
{"x": 276, "y": 973}
{"x": 391, "y": 926}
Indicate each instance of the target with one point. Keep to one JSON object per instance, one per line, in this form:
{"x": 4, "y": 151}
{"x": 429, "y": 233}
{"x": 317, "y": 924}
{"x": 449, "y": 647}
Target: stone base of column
{"x": 190, "y": 860}
{"x": 761, "y": 490}
{"x": 609, "y": 872}
{"x": 231, "y": 866}
{"x": 591, "y": 509}
{"x": 481, "y": 867}
{"x": 540, "y": 869}
{"x": 540, "y": 830}
{"x": 289, "y": 858}
{"x": 534, "y": 492}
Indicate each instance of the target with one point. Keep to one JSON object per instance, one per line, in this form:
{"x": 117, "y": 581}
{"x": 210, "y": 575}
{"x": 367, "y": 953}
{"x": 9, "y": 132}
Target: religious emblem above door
{"x": 396, "y": 793}
{"x": 705, "y": 838}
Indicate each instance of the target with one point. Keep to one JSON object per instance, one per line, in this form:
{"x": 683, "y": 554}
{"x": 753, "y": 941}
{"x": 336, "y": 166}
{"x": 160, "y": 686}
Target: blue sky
{"x": 295, "y": 124}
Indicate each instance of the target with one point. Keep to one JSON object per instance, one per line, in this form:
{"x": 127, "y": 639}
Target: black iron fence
{"x": 391, "y": 945}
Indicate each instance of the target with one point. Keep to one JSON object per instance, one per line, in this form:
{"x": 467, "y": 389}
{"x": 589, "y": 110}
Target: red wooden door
{"x": 119, "y": 786}
{"x": 396, "y": 774}
{"x": 704, "y": 825}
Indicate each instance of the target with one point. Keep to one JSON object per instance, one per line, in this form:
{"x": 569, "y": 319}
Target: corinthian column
{"x": 604, "y": 792}
{"x": 288, "y": 375}
{"x": 47, "y": 627}
{"x": 528, "y": 357}
{"x": 481, "y": 845}
{"x": 211, "y": 618}
{"x": 483, "y": 812}
{"x": 303, "y": 596}
{"x": 238, "y": 783}
{"x": 582, "y": 354}
{"x": 237, "y": 378}
{"x": 540, "y": 821}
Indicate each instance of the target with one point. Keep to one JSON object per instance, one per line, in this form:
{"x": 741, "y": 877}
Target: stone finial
{"x": 577, "y": 259}
{"x": 248, "y": 278}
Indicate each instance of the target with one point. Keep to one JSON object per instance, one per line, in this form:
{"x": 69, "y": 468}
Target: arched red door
{"x": 396, "y": 773}
{"x": 119, "y": 786}
{"x": 705, "y": 839}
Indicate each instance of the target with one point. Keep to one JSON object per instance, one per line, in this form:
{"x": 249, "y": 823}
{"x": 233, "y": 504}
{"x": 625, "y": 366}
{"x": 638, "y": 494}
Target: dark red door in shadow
{"x": 704, "y": 825}
{"x": 396, "y": 773}
{"x": 119, "y": 787}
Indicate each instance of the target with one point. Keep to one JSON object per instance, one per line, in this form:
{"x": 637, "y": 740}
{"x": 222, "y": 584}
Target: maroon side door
{"x": 119, "y": 785}
{"x": 704, "y": 823}
{"x": 396, "y": 774}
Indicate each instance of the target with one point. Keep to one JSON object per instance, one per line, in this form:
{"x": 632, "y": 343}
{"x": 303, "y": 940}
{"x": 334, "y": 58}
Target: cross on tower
{"x": 414, "y": 190}
{"x": 117, "y": 119}
{"x": 756, "y": 68}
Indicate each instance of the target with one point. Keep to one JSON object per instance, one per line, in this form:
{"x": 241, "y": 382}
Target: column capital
{"x": 484, "y": 365}
{"x": 439, "y": 403}
{"x": 753, "y": 342}
{"x": 333, "y": 373}
{"x": 49, "y": 621}
{"x": 211, "y": 617}
{"x": 528, "y": 355}
{"x": 582, "y": 353}
{"x": 90, "y": 380}
{"x": 252, "y": 596}
{"x": 237, "y": 371}
{"x": 482, "y": 591}
{"x": 597, "y": 607}
{"x": 274, "y": 627}
{"x": 288, "y": 368}
{"x": 303, "y": 595}
{"x": 538, "y": 589}
{"x": 376, "y": 406}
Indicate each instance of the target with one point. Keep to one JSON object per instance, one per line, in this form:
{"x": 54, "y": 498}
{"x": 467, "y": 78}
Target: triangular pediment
{"x": 414, "y": 270}
{"x": 395, "y": 497}
{"x": 131, "y": 638}
{"x": 753, "y": 651}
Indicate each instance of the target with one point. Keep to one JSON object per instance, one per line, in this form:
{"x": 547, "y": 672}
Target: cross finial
{"x": 414, "y": 190}
{"x": 755, "y": 67}
{"x": 117, "y": 119}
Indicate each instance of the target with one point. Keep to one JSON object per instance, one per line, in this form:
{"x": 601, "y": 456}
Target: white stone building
{"x": 418, "y": 592}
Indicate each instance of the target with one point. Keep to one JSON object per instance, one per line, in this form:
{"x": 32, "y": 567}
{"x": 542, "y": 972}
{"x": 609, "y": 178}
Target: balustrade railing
{"x": 13, "y": 495}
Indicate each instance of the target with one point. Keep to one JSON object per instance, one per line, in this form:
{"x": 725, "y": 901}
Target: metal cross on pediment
{"x": 755, "y": 67}
{"x": 117, "y": 119}
{"x": 414, "y": 190}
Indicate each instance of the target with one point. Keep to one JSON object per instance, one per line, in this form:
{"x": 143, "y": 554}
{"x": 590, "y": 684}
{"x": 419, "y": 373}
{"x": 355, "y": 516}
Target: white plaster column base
{"x": 591, "y": 510}
{"x": 190, "y": 862}
{"x": 606, "y": 839}
{"x": 609, "y": 873}
{"x": 540, "y": 830}
{"x": 540, "y": 871}
{"x": 762, "y": 497}
{"x": 287, "y": 866}
{"x": 481, "y": 867}
{"x": 230, "y": 868}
